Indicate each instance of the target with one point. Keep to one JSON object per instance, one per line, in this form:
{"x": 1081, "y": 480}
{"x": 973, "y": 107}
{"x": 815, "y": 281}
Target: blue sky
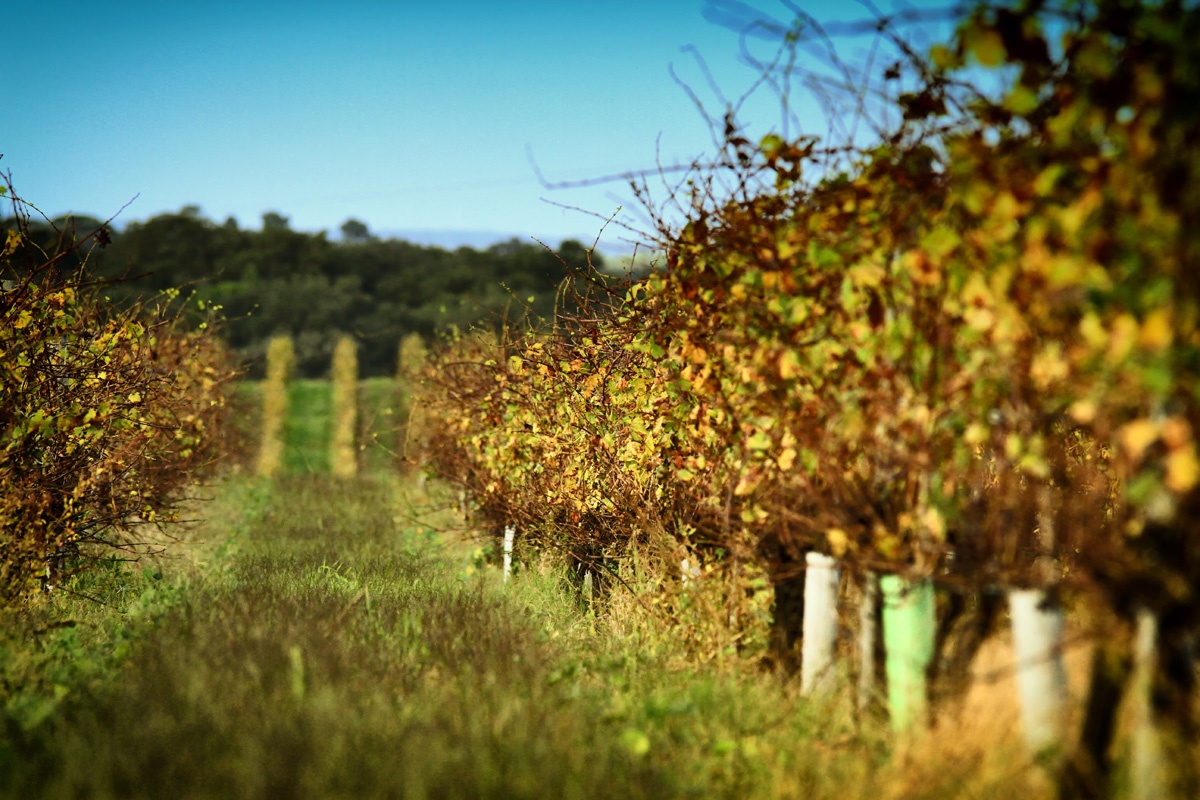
{"x": 405, "y": 115}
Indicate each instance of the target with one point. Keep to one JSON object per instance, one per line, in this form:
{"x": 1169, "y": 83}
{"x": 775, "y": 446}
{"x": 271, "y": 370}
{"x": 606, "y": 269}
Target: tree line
{"x": 276, "y": 280}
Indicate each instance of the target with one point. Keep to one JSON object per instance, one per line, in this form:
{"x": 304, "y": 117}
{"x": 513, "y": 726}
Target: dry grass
{"x": 336, "y": 645}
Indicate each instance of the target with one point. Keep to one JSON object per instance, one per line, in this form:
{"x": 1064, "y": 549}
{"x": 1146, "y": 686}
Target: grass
{"x": 307, "y": 428}
{"x": 317, "y": 637}
{"x": 307, "y": 432}
{"x": 77, "y": 637}
{"x": 331, "y": 644}
{"x": 381, "y": 423}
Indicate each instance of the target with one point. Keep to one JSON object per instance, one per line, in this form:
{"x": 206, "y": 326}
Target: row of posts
{"x": 909, "y": 630}
{"x": 909, "y": 623}
{"x": 909, "y": 633}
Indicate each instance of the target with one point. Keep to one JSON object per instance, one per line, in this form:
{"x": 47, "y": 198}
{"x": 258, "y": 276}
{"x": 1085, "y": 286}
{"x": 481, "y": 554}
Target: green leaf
{"x": 759, "y": 441}
{"x": 1021, "y": 100}
{"x": 985, "y": 44}
{"x": 940, "y": 242}
{"x": 635, "y": 741}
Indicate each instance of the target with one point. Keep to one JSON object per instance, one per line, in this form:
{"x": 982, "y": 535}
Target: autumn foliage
{"x": 968, "y": 351}
{"x": 106, "y": 417}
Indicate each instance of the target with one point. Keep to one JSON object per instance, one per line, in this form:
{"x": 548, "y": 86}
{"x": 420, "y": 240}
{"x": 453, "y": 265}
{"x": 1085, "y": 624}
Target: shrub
{"x": 343, "y": 446}
{"x": 106, "y": 417}
{"x": 280, "y": 362}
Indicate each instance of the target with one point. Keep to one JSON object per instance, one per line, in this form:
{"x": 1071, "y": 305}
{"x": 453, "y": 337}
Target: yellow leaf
{"x": 1021, "y": 100}
{"x": 866, "y": 273}
{"x": 1083, "y": 411}
{"x": 746, "y": 485}
{"x": 1048, "y": 178}
{"x": 1033, "y": 464}
{"x": 1076, "y": 214}
{"x": 978, "y": 301}
{"x": 753, "y": 514}
{"x": 1156, "y": 332}
{"x": 1183, "y": 469}
{"x": 943, "y": 58}
{"x": 12, "y": 243}
{"x": 787, "y": 459}
{"x": 1092, "y": 330}
{"x": 1048, "y": 366}
{"x": 940, "y": 242}
{"x": 1065, "y": 271}
{"x": 888, "y": 544}
{"x": 986, "y": 46}
{"x": 975, "y": 434}
{"x": 789, "y": 365}
{"x": 920, "y": 268}
{"x": 1176, "y": 432}
{"x": 1122, "y": 338}
{"x": 1013, "y": 446}
{"x": 839, "y": 541}
{"x": 934, "y": 523}
{"x": 1136, "y": 436}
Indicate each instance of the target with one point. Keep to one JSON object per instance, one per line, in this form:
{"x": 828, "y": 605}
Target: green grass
{"x": 332, "y": 644}
{"x": 324, "y": 638}
{"x": 307, "y": 432}
{"x": 380, "y": 423}
{"x": 75, "y": 638}
{"x": 307, "y": 429}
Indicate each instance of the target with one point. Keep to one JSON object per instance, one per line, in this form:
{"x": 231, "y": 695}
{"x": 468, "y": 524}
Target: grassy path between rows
{"x": 334, "y": 646}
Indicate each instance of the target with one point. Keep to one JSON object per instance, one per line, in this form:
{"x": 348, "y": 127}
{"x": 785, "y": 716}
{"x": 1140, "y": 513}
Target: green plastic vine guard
{"x": 909, "y": 624}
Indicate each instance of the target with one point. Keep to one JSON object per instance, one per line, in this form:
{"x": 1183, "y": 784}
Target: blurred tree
{"x": 355, "y": 232}
{"x": 274, "y": 221}
{"x": 280, "y": 281}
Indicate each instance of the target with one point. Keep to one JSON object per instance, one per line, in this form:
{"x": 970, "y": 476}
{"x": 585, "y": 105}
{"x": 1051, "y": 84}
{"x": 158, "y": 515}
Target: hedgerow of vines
{"x": 967, "y": 351}
{"x": 106, "y": 417}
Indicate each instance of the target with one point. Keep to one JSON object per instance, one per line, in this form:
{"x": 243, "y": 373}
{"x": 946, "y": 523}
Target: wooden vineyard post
{"x": 867, "y": 636}
{"x": 909, "y": 625}
{"x": 1037, "y": 625}
{"x": 280, "y": 358}
{"x": 343, "y": 452}
{"x": 510, "y": 535}
{"x": 1146, "y": 780}
{"x": 820, "y": 624}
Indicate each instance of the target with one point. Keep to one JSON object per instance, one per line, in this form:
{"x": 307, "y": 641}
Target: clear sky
{"x": 405, "y": 115}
